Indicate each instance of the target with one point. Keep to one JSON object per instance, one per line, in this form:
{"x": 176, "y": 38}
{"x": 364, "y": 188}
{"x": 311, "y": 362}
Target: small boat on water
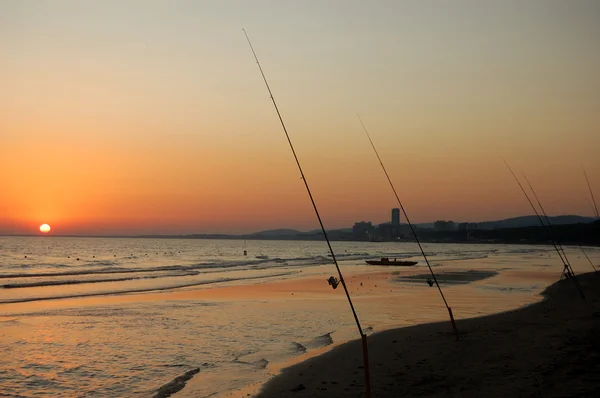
{"x": 387, "y": 261}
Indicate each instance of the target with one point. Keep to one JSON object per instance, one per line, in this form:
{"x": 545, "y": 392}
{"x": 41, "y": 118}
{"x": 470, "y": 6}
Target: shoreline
{"x": 541, "y": 349}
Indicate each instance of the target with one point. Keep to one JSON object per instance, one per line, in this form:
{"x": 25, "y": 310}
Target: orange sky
{"x": 151, "y": 117}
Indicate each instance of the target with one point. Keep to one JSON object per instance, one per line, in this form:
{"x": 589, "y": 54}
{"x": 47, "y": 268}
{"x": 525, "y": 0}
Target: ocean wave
{"x": 470, "y": 251}
{"x": 205, "y": 365}
{"x": 116, "y": 271}
{"x": 450, "y": 277}
{"x": 212, "y": 266}
{"x": 342, "y": 255}
{"x": 459, "y": 258}
{"x": 82, "y": 281}
{"x": 299, "y": 348}
{"x": 525, "y": 250}
{"x": 261, "y": 363}
{"x": 320, "y": 341}
{"x": 96, "y": 312}
{"x": 507, "y": 288}
{"x": 102, "y": 263}
{"x": 100, "y": 267}
{"x": 143, "y": 290}
{"x": 72, "y": 273}
{"x": 176, "y": 384}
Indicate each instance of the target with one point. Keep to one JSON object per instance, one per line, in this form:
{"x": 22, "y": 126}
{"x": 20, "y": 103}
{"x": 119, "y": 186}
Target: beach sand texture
{"x": 547, "y": 349}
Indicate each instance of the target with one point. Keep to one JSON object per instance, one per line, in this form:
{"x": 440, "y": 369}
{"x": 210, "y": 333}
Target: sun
{"x": 45, "y": 228}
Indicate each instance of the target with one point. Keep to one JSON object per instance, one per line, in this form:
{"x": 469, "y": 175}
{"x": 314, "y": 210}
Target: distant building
{"x": 385, "y": 232}
{"x": 363, "y": 230}
{"x": 442, "y": 225}
{"x": 467, "y": 226}
{"x": 395, "y": 217}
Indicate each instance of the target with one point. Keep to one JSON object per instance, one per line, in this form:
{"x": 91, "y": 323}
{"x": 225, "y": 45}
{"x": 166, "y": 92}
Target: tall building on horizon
{"x": 395, "y": 216}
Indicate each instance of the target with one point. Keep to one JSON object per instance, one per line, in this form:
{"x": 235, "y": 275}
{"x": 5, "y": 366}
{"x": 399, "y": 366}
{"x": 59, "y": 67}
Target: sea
{"x": 108, "y": 317}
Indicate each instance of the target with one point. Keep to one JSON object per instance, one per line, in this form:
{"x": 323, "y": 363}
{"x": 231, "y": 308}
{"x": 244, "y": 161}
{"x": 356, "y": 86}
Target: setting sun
{"x": 45, "y": 228}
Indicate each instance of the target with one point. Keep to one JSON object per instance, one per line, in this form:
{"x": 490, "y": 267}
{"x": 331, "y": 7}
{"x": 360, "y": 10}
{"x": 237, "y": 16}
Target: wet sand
{"x": 547, "y": 349}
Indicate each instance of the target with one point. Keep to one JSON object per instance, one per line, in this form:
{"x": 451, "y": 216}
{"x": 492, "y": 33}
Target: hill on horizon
{"x": 277, "y": 232}
{"x": 513, "y": 222}
{"x": 532, "y": 221}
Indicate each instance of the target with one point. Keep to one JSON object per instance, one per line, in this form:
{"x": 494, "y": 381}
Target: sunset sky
{"x": 129, "y": 117}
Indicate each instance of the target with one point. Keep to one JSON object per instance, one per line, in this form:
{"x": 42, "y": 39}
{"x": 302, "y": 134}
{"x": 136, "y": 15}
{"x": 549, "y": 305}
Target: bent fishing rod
{"x": 535, "y": 211}
{"x": 594, "y": 209}
{"x": 555, "y": 237}
{"x": 411, "y": 229}
{"x": 566, "y": 265}
{"x": 591, "y": 193}
{"x": 552, "y": 229}
{"x": 586, "y": 256}
{"x": 591, "y": 206}
{"x": 548, "y": 223}
{"x": 332, "y": 281}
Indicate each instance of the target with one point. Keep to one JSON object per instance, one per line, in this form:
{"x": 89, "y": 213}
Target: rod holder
{"x": 453, "y": 323}
{"x": 366, "y": 362}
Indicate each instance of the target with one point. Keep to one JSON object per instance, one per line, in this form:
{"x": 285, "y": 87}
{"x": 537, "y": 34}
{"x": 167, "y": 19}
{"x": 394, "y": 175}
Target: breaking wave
{"x": 320, "y": 341}
{"x": 141, "y": 290}
{"x": 299, "y": 347}
{"x": 176, "y": 384}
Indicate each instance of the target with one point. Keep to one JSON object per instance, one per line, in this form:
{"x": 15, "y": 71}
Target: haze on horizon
{"x": 135, "y": 117}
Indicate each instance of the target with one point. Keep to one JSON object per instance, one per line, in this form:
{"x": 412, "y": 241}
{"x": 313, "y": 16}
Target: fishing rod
{"x": 552, "y": 229}
{"x": 534, "y": 210}
{"x": 594, "y": 209}
{"x": 591, "y": 192}
{"x": 412, "y": 230}
{"x": 567, "y": 268}
{"x": 590, "y": 204}
{"x": 586, "y": 256}
{"x": 554, "y": 233}
{"x": 332, "y": 280}
{"x": 548, "y": 221}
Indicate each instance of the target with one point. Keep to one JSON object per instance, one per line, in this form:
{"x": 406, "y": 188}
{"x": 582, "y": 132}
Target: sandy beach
{"x": 546, "y": 349}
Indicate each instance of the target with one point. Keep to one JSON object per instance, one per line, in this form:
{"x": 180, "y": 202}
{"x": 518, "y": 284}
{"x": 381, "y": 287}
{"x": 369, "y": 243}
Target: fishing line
{"x": 411, "y": 228}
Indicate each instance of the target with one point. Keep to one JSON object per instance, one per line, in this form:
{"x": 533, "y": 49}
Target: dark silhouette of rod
{"x": 552, "y": 230}
{"x": 591, "y": 206}
{"x": 556, "y": 241}
{"x": 567, "y": 267}
{"x": 341, "y": 280}
{"x": 591, "y": 192}
{"x": 411, "y": 229}
{"x": 594, "y": 209}
{"x": 586, "y": 256}
{"x": 534, "y": 210}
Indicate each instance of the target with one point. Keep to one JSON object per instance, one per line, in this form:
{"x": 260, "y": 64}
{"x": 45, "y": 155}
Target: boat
{"x": 387, "y": 261}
